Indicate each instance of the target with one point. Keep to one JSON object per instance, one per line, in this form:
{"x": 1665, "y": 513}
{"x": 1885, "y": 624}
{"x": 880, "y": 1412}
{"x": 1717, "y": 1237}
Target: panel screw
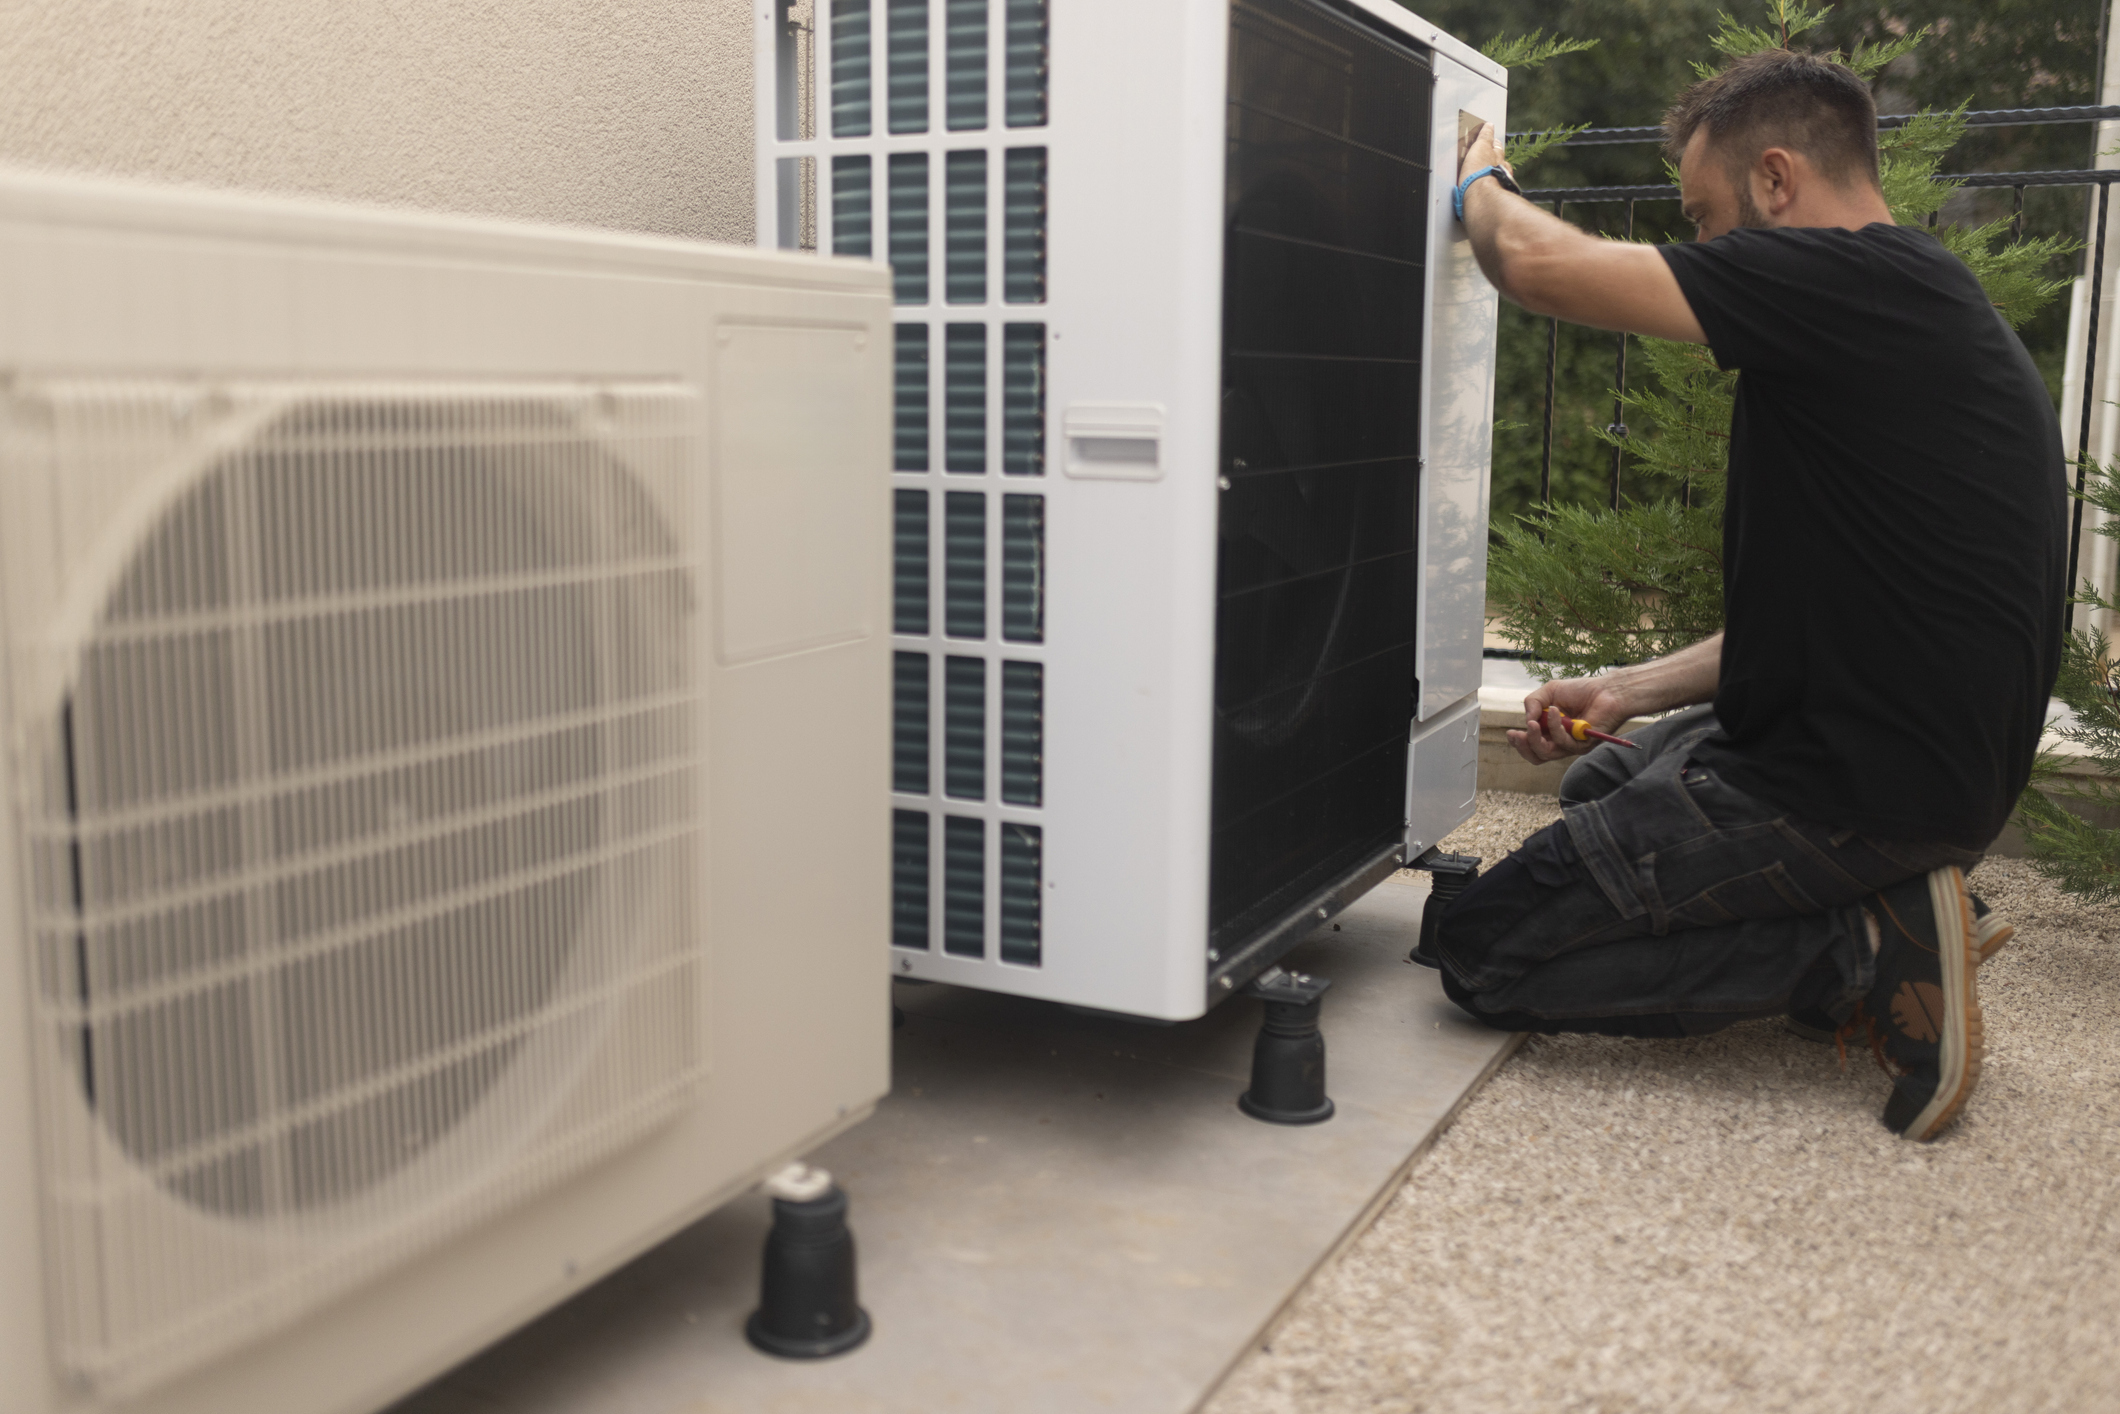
{"x": 1323, "y": 914}
{"x": 1222, "y": 482}
{"x": 1213, "y": 955}
{"x": 1227, "y": 984}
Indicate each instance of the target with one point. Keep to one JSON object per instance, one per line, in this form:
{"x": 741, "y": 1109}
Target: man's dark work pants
{"x": 1667, "y": 902}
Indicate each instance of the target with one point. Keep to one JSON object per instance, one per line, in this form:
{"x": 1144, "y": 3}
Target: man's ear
{"x": 1777, "y": 172}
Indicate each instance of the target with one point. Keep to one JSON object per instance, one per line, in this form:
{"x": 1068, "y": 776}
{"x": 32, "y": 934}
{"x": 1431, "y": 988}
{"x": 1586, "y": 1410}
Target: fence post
{"x": 1553, "y": 352}
{"x": 2088, "y": 398}
{"x": 1619, "y": 391}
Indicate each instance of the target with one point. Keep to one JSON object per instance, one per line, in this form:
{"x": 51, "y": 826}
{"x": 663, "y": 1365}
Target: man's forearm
{"x": 1680, "y": 679}
{"x": 1510, "y": 237}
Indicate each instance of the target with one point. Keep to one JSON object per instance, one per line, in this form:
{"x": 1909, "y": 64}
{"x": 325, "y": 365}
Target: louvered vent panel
{"x": 964, "y": 226}
{"x": 851, "y": 84}
{"x": 1023, "y": 399}
{"x": 961, "y": 215}
{"x": 1027, "y": 63}
{"x": 909, "y": 563}
{"x": 964, "y": 397}
{"x": 907, "y": 28}
{"x": 964, "y": 564}
{"x": 1023, "y": 569}
{"x": 853, "y": 204}
{"x": 909, "y": 440}
{"x": 1023, "y": 225}
{"x": 964, "y": 885}
{"x": 964, "y": 728}
{"x": 909, "y": 226}
{"x": 909, "y": 723}
{"x": 965, "y": 46}
{"x": 360, "y": 821}
{"x": 1022, "y": 850}
{"x": 909, "y": 879}
{"x": 1023, "y": 733}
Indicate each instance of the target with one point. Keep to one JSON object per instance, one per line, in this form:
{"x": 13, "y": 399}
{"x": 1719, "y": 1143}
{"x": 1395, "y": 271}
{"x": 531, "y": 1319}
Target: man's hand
{"x": 1481, "y": 149}
{"x": 1544, "y": 738}
{"x": 1606, "y": 701}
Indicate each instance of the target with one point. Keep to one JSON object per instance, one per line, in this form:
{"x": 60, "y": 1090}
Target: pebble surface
{"x": 1722, "y": 1224}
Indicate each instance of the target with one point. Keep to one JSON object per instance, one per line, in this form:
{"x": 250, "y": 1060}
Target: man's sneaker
{"x": 1922, "y": 1014}
{"x": 1990, "y": 935}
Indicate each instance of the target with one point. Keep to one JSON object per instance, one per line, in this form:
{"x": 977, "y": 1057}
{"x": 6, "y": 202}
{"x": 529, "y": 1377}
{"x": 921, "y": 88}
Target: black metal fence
{"x": 1563, "y": 197}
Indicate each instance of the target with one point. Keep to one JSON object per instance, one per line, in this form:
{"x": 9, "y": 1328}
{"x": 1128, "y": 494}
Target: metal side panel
{"x": 1457, "y": 415}
{"x": 1442, "y": 775}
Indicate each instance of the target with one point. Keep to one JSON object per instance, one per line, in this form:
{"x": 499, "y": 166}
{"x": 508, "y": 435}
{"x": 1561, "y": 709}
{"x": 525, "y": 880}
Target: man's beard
{"x": 1749, "y": 217}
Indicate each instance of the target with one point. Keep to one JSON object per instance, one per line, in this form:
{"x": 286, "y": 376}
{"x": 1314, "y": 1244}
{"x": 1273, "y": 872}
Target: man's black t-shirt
{"x": 1895, "y": 541}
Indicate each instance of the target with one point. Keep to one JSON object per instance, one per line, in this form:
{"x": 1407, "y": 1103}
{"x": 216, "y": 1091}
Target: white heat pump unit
{"x": 434, "y": 650}
{"x": 1194, "y": 404}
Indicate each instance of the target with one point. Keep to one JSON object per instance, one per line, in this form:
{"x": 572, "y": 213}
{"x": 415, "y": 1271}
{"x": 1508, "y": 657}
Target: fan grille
{"x": 361, "y": 817}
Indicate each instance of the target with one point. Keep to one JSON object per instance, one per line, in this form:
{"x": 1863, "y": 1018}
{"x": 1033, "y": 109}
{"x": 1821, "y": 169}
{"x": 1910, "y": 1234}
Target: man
{"x": 1894, "y": 551}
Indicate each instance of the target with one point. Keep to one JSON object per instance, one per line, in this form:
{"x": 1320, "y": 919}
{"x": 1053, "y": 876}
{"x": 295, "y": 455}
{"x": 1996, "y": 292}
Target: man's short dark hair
{"x": 1780, "y": 98}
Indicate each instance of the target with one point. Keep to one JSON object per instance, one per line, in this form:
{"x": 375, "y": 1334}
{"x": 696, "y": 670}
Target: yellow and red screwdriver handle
{"x": 1583, "y": 731}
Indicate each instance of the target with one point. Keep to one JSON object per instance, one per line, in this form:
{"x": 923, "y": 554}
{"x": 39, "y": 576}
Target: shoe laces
{"x": 1861, "y": 1020}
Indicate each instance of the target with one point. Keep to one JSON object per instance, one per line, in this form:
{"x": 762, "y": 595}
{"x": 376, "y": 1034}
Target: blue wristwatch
{"x": 1457, "y": 197}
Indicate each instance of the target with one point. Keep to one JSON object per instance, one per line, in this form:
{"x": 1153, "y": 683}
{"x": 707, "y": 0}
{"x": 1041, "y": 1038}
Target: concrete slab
{"x": 1055, "y": 1212}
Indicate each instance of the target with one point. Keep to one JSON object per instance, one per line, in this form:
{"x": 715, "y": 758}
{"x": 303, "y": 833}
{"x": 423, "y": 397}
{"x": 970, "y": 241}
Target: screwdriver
{"x": 1583, "y": 731}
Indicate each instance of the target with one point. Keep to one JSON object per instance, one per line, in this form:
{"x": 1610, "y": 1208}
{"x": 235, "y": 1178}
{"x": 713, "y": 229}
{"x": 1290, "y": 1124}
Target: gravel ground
{"x": 1723, "y": 1223}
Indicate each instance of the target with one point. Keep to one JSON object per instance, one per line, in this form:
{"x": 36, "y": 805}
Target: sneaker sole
{"x": 1992, "y": 935}
{"x": 1964, "y": 1041}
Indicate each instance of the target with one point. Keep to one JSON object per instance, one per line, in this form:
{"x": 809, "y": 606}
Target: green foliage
{"x": 2074, "y": 851}
{"x": 1522, "y": 149}
{"x": 1528, "y": 51}
{"x": 1586, "y": 587}
{"x": 1785, "y": 21}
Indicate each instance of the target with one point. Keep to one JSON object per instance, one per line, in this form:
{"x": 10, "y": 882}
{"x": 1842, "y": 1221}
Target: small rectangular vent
{"x": 964, "y": 227}
{"x": 909, "y": 226}
{"x": 906, "y": 40}
{"x": 909, "y": 449}
{"x": 1023, "y": 569}
{"x": 1022, "y": 848}
{"x": 909, "y": 563}
{"x": 964, "y": 886}
{"x": 1028, "y": 59}
{"x": 964, "y": 36}
{"x": 964, "y": 564}
{"x": 850, "y": 68}
{"x": 909, "y": 723}
{"x": 1023, "y": 399}
{"x": 1022, "y": 733}
{"x": 963, "y": 729}
{"x": 909, "y": 879}
{"x": 964, "y": 397}
{"x": 1023, "y": 226}
{"x": 852, "y": 203}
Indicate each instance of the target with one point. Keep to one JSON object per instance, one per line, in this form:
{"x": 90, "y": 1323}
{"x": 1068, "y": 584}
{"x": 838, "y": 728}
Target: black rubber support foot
{"x": 807, "y": 1305}
{"x": 1451, "y": 873}
{"x": 1288, "y": 1059}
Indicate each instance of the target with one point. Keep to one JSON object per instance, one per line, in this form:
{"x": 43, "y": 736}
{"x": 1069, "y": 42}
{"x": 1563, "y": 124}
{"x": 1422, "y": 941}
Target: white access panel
{"x": 1442, "y": 776}
{"x": 1459, "y": 414}
{"x": 869, "y": 146}
{"x": 437, "y": 659}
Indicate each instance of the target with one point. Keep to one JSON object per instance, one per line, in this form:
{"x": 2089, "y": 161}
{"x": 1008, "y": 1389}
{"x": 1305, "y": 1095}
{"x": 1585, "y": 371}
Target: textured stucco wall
{"x": 633, "y": 114}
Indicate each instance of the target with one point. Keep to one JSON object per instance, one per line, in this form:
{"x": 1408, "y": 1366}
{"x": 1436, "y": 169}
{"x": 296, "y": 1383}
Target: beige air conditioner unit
{"x": 436, "y": 655}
